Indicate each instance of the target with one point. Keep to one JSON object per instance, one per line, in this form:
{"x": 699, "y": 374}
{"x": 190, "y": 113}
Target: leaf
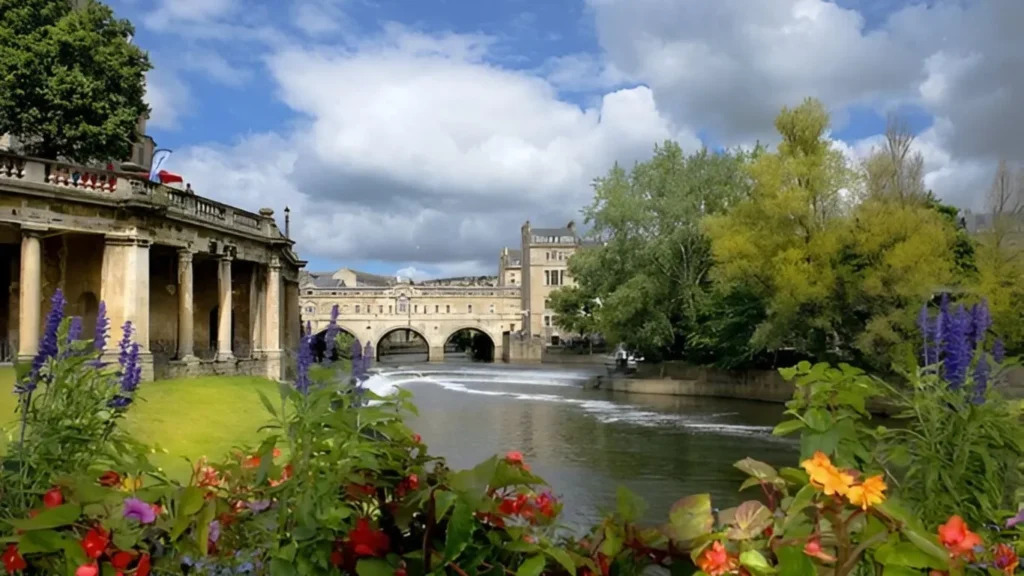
{"x": 460, "y": 529}
{"x": 267, "y": 403}
{"x": 801, "y": 500}
{"x": 474, "y": 481}
{"x": 793, "y": 562}
{"x": 929, "y": 545}
{"x": 443, "y": 500}
{"x": 794, "y": 476}
{"x": 189, "y": 503}
{"x": 374, "y": 567}
{"x": 751, "y": 519}
{"x": 788, "y": 427}
{"x": 209, "y": 512}
{"x": 756, "y": 563}
{"x": 532, "y": 567}
{"x": 691, "y": 517}
{"x": 761, "y": 471}
{"x": 819, "y": 442}
{"x": 897, "y": 570}
{"x": 612, "y": 544}
{"x": 41, "y": 541}
{"x": 630, "y": 506}
{"x": 563, "y": 558}
{"x": 50, "y": 518}
{"x": 908, "y": 554}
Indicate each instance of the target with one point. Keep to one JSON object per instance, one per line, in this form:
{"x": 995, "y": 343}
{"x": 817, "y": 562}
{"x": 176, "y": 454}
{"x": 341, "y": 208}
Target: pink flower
{"x": 141, "y": 512}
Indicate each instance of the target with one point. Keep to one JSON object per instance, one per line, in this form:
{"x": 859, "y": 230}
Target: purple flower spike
{"x": 99, "y": 341}
{"x": 1016, "y": 519}
{"x": 302, "y": 364}
{"x": 141, "y": 512}
{"x": 75, "y": 329}
{"x": 368, "y": 356}
{"x": 981, "y": 321}
{"x": 957, "y": 349}
{"x": 47, "y": 343}
{"x": 131, "y": 368}
{"x": 998, "y": 351}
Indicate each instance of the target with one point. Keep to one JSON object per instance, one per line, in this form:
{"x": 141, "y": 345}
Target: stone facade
{"x": 545, "y": 257}
{"x": 371, "y": 311}
{"x": 207, "y": 286}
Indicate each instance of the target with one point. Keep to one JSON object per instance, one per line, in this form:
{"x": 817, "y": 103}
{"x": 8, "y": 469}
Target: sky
{"x": 417, "y": 136}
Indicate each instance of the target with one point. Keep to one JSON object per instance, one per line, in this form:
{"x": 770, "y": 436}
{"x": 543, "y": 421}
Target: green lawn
{"x": 188, "y": 418}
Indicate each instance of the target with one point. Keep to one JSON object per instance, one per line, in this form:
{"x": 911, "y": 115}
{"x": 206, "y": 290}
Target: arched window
{"x": 357, "y": 308}
{"x": 403, "y": 305}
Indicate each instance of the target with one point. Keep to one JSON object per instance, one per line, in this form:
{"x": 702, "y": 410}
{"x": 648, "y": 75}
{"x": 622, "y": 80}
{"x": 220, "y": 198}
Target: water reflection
{"x": 588, "y": 442}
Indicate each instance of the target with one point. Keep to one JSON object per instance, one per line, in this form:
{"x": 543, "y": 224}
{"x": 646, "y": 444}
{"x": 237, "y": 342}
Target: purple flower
{"x": 998, "y": 351}
{"x": 99, "y": 340}
{"x": 214, "y": 532}
{"x": 981, "y": 321}
{"x": 75, "y": 329}
{"x": 332, "y": 331}
{"x": 1016, "y": 519}
{"x": 259, "y": 505}
{"x": 47, "y": 343}
{"x": 302, "y": 364}
{"x": 981, "y": 372}
{"x": 131, "y": 369}
{"x": 957, "y": 350}
{"x": 141, "y": 512}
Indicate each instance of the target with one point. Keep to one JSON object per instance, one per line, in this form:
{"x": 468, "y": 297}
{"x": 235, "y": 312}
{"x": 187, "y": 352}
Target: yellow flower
{"x": 131, "y": 483}
{"x": 867, "y": 493}
{"x": 826, "y": 476}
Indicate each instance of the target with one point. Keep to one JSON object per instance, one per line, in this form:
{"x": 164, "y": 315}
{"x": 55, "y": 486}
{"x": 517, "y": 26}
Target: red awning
{"x": 168, "y": 178}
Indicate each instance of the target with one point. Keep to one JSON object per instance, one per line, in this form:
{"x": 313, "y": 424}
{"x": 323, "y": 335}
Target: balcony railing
{"x": 129, "y": 187}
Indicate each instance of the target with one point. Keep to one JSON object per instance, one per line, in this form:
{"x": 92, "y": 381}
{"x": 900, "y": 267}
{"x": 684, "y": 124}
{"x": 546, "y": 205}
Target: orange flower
{"x": 868, "y": 493}
{"x": 957, "y": 538}
{"x": 826, "y": 476}
{"x": 1005, "y": 559}
{"x": 716, "y": 560}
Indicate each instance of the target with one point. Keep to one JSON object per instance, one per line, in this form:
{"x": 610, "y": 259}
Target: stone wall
{"x": 237, "y": 367}
{"x": 516, "y": 349}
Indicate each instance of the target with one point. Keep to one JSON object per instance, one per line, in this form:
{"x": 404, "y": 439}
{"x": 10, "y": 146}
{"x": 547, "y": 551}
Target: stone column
{"x": 124, "y": 288}
{"x": 257, "y": 296}
{"x": 186, "y": 308}
{"x": 436, "y": 354}
{"x": 224, "y": 343}
{"x": 272, "y": 321}
{"x": 30, "y": 294}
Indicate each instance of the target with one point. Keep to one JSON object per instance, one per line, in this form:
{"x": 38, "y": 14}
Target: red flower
{"x": 813, "y": 549}
{"x": 413, "y": 482}
{"x": 110, "y": 478}
{"x": 716, "y": 560}
{"x": 957, "y": 538}
{"x": 546, "y": 504}
{"x": 157, "y": 509}
{"x": 417, "y": 439}
{"x": 1005, "y": 559}
{"x": 360, "y": 490}
{"x": 121, "y": 560}
{"x": 366, "y": 541}
{"x": 142, "y": 568}
{"x": 53, "y": 498}
{"x": 492, "y": 519}
{"x": 88, "y": 570}
{"x": 514, "y": 457}
{"x": 95, "y": 542}
{"x": 13, "y": 562}
{"x": 277, "y": 452}
{"x": 337, "y": 558}
{"x": 400, "y": 572}
{"x": 251, "y": 462}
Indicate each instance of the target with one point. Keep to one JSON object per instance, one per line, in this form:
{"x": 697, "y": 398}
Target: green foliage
{"x": 73, "y": 85}
{"x": 651, "y": 272}
{"x": 575, "y": 310}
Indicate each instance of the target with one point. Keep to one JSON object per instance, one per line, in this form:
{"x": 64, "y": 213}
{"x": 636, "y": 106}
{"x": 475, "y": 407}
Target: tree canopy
{"x": 71, "y": 83}
{"x": 737, "y": 258}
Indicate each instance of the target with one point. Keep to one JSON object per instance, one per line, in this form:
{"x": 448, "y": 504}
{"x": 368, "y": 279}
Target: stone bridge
{"x": 210, "y": 289}
{"x": 435, "y": 313}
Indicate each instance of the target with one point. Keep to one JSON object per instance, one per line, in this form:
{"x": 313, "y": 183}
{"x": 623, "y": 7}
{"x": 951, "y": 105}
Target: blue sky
{"x": 418, "y": 135}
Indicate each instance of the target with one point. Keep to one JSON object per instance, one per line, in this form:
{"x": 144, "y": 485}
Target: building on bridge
{"x": 385, "y": 310}
{"x": 209, "y": 288}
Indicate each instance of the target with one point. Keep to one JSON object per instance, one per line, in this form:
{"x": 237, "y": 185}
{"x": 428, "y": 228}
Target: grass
{"x": 189, "y": 418}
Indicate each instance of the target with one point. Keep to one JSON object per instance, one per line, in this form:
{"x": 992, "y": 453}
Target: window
{"x": 357, "y": 308}
{"x": 492, "y": 308}
{"x": 309, "y": 292}
{"x": 469, "y": 308}
{"x": 547, "y": 255}
{"x": 447, "y": 309}
{"x": 436, "y": 308}
{"x": 403, "y": 305}
{"x": 416, "y": 308}
{"x": 310, "y": 309}
{"x": 547, "y": 320}
{"x": 512, "y": 327}
{"x": 391, "y": 309}
{"x": 547, "y": 303}
{"x": 380, "y": 308}
{"x": 554, "y": 277}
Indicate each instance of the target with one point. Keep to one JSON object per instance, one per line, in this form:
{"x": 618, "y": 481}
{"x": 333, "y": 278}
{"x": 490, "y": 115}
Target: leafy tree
{"x": 575, "y": 310}
{"x": 650, "y": 272}
{"x": 73, "y": 84}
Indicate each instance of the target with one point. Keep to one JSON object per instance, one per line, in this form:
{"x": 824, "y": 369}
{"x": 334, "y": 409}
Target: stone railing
{"x": 129, "y": 187}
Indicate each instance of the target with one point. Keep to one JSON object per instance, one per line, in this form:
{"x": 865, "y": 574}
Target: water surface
{"x": 587, "y": 442}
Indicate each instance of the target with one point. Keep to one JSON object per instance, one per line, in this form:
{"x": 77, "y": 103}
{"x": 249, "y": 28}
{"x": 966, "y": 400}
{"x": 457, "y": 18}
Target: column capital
{"x": 125, "y": 240}
{"x": 185, "y": 255}
{"x": 33, "y": 230}
{"x": 225, "y": 257}
{"x": 274, "y": 263}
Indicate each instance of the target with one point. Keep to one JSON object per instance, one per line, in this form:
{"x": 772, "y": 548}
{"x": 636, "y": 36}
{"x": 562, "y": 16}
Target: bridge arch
{"x": 489, "y": 352}
{"x": 387, "y": 331}
{"x": 319, "y": 342}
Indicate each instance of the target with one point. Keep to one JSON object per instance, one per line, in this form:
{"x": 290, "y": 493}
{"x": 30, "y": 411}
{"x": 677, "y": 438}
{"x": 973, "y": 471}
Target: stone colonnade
{"x": 125, "y": 290}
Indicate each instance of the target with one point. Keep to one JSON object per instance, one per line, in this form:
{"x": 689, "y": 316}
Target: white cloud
{"x": 416, "y": 150}
{"x": 168, "y": 98}
{"x": 170, "y": 13}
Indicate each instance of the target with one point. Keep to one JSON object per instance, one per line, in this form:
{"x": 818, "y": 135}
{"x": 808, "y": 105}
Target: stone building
{"x": 510, "y": 267}
{"x": 545, "y": 268}
{"x": 209, "y": 288}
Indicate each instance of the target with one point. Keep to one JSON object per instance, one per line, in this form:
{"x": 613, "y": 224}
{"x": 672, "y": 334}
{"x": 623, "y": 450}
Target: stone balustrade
{"x": 60, "y": 177}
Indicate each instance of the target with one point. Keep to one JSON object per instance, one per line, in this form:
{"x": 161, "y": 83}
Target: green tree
{"x": 650, "y": 271}
{"x": 72, "y": 83}
{"x": 575, "y": 310}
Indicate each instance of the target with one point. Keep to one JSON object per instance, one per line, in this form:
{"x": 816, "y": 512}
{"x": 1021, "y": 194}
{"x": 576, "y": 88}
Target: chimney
{"x": 504, "y": 251}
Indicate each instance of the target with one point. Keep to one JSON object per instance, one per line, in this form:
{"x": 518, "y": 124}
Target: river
{"x": 587, "y": 442}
